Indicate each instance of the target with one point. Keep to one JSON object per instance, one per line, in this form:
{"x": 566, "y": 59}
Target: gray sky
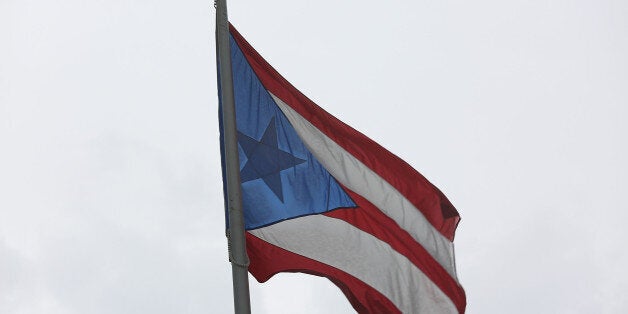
{"x": 110, "y": 188}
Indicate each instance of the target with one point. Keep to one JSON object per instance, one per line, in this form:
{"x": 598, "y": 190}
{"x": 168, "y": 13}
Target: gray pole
{"x": 235, "y": 232}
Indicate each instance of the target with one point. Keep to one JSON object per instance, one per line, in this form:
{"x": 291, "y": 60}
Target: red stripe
{"x": 268, "y": 260}
{"x": 370, "y": 219}
{"x": 417, "y": 189}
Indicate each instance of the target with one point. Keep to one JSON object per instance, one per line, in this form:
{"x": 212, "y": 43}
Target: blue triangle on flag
{"x": 280, "y": 178}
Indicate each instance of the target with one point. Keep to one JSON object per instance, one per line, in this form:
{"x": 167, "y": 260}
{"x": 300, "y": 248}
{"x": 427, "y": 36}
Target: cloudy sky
{"x": 110, "y": 187}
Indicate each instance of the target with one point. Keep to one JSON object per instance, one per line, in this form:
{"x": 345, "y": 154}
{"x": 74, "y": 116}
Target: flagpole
{"x": 235, "y": 230}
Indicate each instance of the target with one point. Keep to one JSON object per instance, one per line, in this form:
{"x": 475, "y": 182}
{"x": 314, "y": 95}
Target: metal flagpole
{"x": 235, "y": 230}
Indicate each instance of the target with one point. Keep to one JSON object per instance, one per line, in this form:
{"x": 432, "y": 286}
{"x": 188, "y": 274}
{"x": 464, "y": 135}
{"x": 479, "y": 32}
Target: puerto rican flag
{"x": 321, "y": 198}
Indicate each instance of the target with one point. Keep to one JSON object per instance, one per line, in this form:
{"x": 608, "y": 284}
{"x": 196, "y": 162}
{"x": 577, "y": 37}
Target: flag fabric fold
{"x": 321, "y": 198}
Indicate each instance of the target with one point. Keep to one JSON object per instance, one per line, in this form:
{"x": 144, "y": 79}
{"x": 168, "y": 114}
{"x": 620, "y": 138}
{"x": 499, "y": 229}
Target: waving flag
{"x": 321, "y": 198}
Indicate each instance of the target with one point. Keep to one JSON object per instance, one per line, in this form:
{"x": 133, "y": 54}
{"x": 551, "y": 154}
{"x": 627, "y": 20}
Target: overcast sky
{"x": 110, "y": 186}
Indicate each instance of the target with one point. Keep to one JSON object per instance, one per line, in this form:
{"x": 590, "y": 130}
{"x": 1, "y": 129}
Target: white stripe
{"x": 356, "y": 176}
{"x": 339, "y": 244}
